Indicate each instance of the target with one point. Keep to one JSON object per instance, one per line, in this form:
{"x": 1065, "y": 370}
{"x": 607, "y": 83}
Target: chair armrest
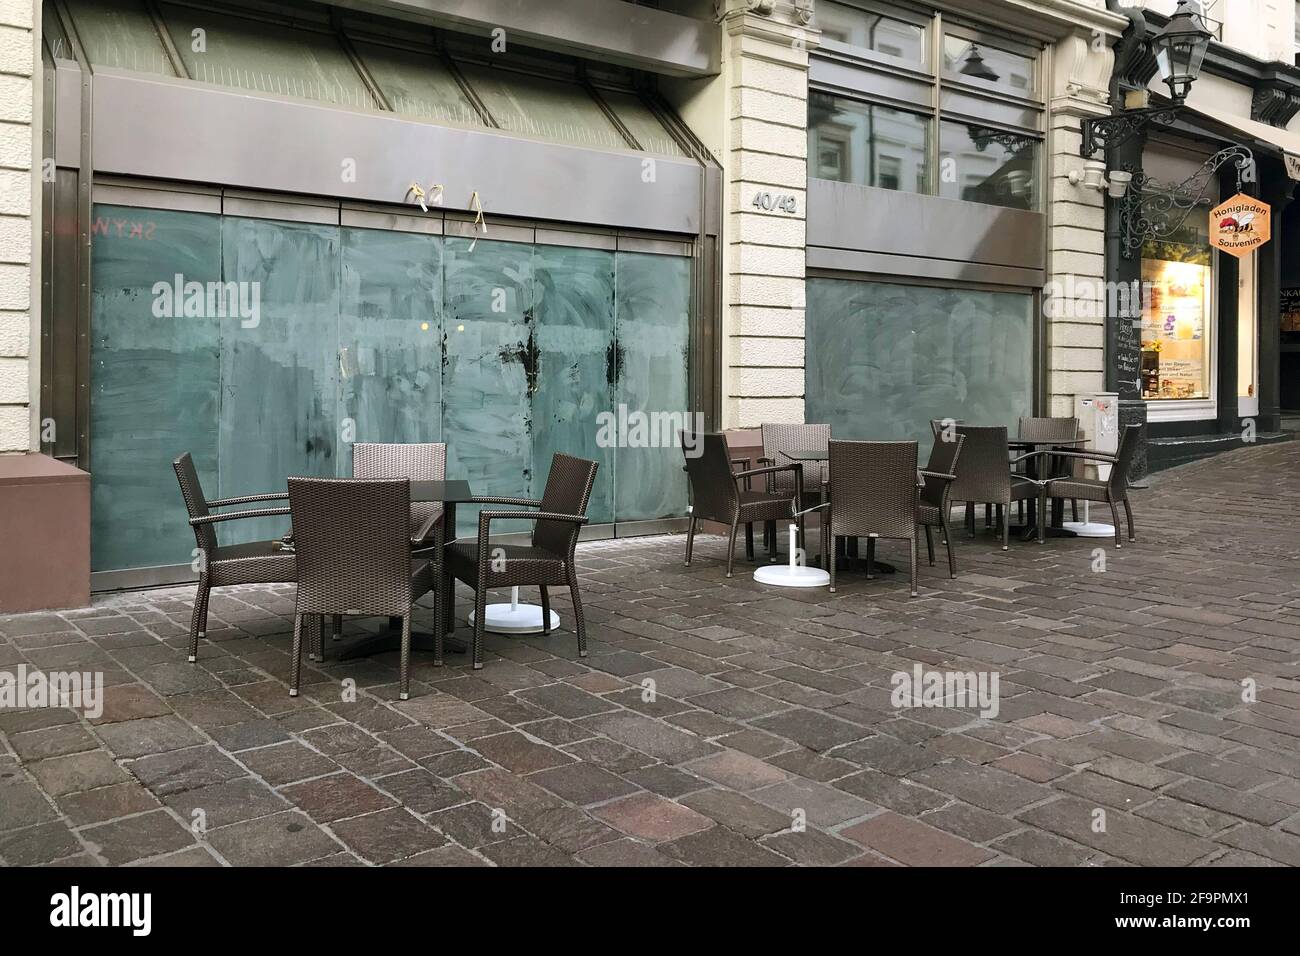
{"x": 824, "y": 504}
{"x": 771, "y": 469}
{"x": 485, "y": 518}
{"x": 233, "y": 515}
{"x": 246, "y": 499}
{"x": 423, "y": 531}
{"x": 766, "y": 461}
{"x": 742, "y": 461}
{"x": 936, "y": 474}
{"x": 494, "y": 500}
{"x": 1086, "y": 455}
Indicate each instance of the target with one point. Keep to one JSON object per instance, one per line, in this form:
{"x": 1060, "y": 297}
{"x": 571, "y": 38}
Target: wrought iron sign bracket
{"x": 1156, "y": 211}
{"x": 1110, "y": 132}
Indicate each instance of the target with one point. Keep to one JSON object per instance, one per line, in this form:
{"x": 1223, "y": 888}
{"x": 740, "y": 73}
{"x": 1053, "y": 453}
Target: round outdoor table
{"x": 1056, "y": 525}
{"x": 449, "y": 494}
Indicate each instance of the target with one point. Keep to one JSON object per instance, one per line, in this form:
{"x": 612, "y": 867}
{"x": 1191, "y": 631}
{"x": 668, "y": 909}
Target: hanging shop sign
{"x": 1292, "y": 165}
{"x": 1241, "y": 225}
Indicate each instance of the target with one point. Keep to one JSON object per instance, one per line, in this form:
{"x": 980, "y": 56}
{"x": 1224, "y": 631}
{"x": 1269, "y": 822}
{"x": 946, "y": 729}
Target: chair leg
{"x": 546, "y": 610}
{"x": 988, "y": 516}
{"x": 439, "y": 621}
{"x": 1074, "y": 510}
{"x": 771, "y": 541}
{"x": 1006, "y": 528}
{"x": 1041, "y": 518}
{"x": 690, "y": 537}
{"x": 999, "y": 516}
{"x": 404, "y": 687}
{"x": 1114, "y": 514}
{"x": 579, "y": 622}
{"x": 480, "y": 612}
{"x": 912, "y": 542}
{"x": 338, "y": 628}
{"x": 749, "y": 540}
{"x": 199, "y": 622}
{"x": 295, "y": 678}
{"x": 1020, "y": 512}
{"x": 447, "y": 604}
{"x": 952, "y": 561}
{"x": 1128, "y": 514}
{"x": 320, "y": 639}
{"x": 929, "y": 544}
{"x": 731, "y": 546}
{"x": 871, "y": 557}
{"x": 830, "y": 558}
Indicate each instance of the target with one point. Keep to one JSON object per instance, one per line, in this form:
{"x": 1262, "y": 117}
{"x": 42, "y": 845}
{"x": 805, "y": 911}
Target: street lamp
{"x": 1180, "y": 48}
{"x": 1179, "y": 51}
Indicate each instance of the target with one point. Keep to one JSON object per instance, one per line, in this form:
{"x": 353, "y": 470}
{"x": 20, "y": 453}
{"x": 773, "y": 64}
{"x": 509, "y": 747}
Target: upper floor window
{"x": 922, "y": 102}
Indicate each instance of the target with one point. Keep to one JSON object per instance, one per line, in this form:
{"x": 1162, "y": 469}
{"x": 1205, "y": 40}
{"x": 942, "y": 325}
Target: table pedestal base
{"x": 512, "y": 617}
{"x": 1090, "y": 529}
{"x": 792, "y": 576}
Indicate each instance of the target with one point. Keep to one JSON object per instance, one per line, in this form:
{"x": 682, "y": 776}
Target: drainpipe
{"x": 1123, "y": 332}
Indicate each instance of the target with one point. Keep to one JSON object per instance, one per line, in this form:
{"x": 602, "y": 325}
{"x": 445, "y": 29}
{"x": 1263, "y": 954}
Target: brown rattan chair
{"x": 721, "y": 495}
{"x": 780, "y": 438}
{"x": 352, "y": 542}
{"x": 872, "y": 494}
{"x": 547, "y": 561}
{"x": 254, "y": 562}
{"x": 934, "y": 506}
{"x": 986, "y": 477}
{"x": 1051, "y": 429}
{"x": 420, "y": 461}
{"x": 1113, "y": 491}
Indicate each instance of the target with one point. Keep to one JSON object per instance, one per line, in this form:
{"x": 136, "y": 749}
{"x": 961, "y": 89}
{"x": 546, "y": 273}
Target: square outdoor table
{"x": 450, "y": 493}
{"x": 1054, "y": 529}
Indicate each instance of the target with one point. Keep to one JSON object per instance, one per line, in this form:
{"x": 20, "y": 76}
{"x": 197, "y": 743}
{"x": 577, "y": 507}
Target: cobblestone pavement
{"x": 1122, "y": 735}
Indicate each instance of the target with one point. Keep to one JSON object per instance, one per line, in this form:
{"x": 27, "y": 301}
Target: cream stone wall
{"x": 17, "y": 95}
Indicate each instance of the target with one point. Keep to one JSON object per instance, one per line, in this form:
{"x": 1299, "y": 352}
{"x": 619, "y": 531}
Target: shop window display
{"x": 1177, "y": 320}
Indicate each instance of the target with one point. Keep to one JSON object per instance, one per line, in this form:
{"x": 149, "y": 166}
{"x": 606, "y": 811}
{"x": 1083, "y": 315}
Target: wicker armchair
{"x": 353, "y": 548}
{"x": 256, "y": 562}
{"x": 1113, "y": 490}
{"x": 873, "y": 494}
{"x": 986, "y": 477}
{"x": 778, "y": 439}
{"x": 721, "y": 495}
{"x": 547, "y": 561}
{"x": 423, "y": 461}
{"x": 934, "y": 506}
{"x": 1052, "y": 429}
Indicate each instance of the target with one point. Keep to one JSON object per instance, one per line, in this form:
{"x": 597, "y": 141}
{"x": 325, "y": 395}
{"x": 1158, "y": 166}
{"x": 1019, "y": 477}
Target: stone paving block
{"x": 106, "y": 803}
{"x": 340, "y": 795}
{"x": 583, "y": 784}
{"x": 287, "y": 763}
{"x": 387, "y": 835}
{"x": 149, "y": 735}
{"x": 737, "y": 812}
{"x": 179, "y": 770}
{"x": 138, "y": 837}
{"x": 985, "y": 787}
{"x": 84, "y": 771}
{"x": 43, "y": 843}
{"x": 719, "y": 846}
{"x": 1128, "y": 837}
{"x": 282, "y": 839}
{"x": 652, "y": 818}
{"x": 914, "y": 844}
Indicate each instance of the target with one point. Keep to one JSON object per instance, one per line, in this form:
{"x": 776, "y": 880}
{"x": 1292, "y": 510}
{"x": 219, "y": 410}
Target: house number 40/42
{"x": 778, "y": 202}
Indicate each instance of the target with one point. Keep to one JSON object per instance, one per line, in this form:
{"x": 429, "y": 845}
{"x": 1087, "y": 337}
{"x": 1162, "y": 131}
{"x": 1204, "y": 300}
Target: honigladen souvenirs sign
{"x": 1241, "y": 225}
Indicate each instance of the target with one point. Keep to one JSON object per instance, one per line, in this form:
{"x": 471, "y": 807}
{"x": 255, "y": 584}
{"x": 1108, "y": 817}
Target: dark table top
{"x": 805, "y": 454}
{"x": 1023, "y": 444}
{"x": 453, "y": 492}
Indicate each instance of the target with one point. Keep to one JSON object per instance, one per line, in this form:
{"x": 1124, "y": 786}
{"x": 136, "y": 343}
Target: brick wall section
{"x": 766, "y": 68}
{"x": 16, "y": 97}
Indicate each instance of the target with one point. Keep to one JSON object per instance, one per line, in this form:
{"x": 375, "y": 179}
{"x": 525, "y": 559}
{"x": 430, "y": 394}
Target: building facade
{"x": 262, "y": 230}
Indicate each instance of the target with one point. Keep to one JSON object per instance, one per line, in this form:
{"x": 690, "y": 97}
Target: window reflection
{"x": 867, "y": 144}
{"x": 979, "y": 164}
{"x": 988, "y": 66}
{"x": 872, "y": 31}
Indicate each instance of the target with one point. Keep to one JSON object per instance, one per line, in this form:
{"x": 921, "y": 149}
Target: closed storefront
{"x": 266, "y": 329}
{"x": 926, "y": 231}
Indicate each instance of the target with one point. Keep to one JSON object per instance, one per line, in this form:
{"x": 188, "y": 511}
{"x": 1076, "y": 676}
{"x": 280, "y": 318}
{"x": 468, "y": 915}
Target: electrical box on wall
{"x": 1098, "y": 416}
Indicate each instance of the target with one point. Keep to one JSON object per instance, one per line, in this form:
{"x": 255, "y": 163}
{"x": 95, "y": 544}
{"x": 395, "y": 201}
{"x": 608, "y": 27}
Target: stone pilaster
{"x": 1076, "y": 302}
{"x": 17, "y": 55}
{"x": 765, "y": 65}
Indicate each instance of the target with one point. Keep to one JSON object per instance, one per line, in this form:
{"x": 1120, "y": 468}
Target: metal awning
{"x": 1282, "y": 142}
